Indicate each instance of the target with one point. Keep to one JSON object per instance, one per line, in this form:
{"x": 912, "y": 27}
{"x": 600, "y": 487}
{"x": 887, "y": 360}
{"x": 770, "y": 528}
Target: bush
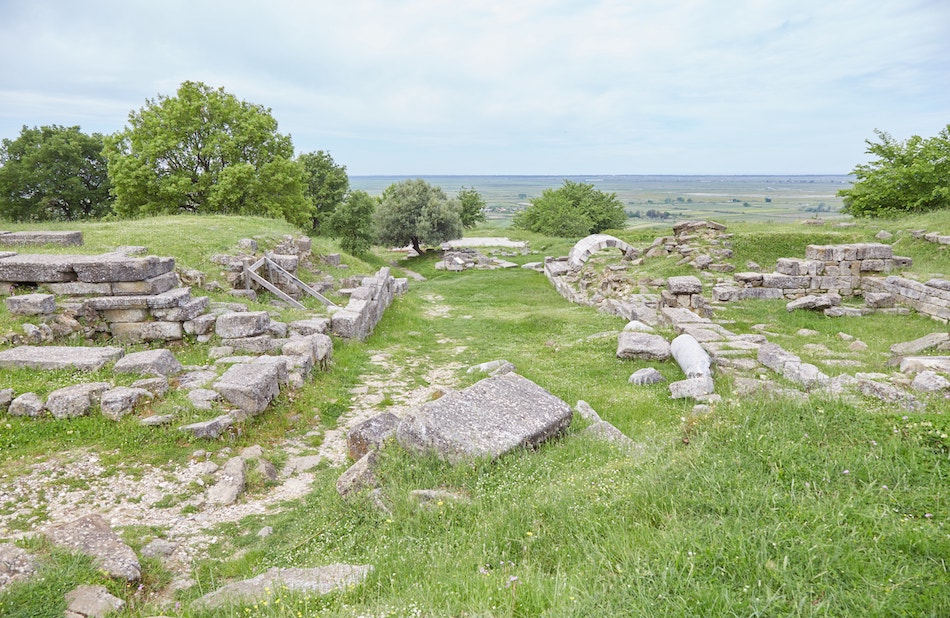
{"x": 574, "y": 209}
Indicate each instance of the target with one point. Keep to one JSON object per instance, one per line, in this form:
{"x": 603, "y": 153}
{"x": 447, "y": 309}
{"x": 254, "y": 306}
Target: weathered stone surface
{"x": 138, "y": 332}
{"x": 691, "y": 357}
{"x": 158, "y": 548}
{"x": 317, "y": 346}
{"x": 814, "y": 302}
{"x": 775, "y": 357}
{"x": 495, "y": 367}
{"x": 585, "y": 411}
{"x": 361, "y": 475}
{"x": 92, "y": 602}
{"x": 642, "y": 346}
{"x": 27, "y": 404}
{"x": 259, "y": 344}
{"x": 120, "y": 401}
{"x": 890, "y": 394}
{"x": 152, "y": 285}
{"x": 311, "y": 326}
{"x": 847, "y": 312}
{"x": 113, "y": 267}
{"x": 488, "y": 419}
{"x": 158, "y": 386}
{"x": 59, "y": 357}
{"x": 919, "y": 345}
{"x": 940, "y": 364}
{"x": 692, "y": 387}
{"x": 230, "y": 484}
{"x": 209, "y": 429}
{"x": 319, "y": 580}
{"x": 646, "y": 376}
{"x": 806, "y": 374}
{"x": 249, "y": 386}
{"x": 149, "y": 362}
{"x": 6, "y": 397}
{"x": 929, "y": 382}
{"x": 31, "y": 304}
{"x": 687, "y": 284}
{"x": 879, "y": 300}
{"x": 92, "y": 536}
{"x": 638, "y": 327}
{"x": 604, "y": 431}
{"x": 241, "y": 324}
{"x": 75, "y": 400}
{"x": 370, "y": 434}
{"x": 64, "y": 239}
{"x": 15, "y": 564}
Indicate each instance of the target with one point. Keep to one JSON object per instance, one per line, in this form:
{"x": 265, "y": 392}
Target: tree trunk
{"x": 416, "y": 247}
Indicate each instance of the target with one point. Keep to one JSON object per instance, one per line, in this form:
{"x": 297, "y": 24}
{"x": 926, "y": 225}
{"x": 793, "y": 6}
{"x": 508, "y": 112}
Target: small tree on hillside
{"x": 908, "y": 176}
{"x": 472, "y": 207}
{"x": 413, "y": 212}
{"x": 326, "y": 185}
{"x": 574, "y": 209}
{"x": 352, "y": 222}
{"x": 53, "y": 173}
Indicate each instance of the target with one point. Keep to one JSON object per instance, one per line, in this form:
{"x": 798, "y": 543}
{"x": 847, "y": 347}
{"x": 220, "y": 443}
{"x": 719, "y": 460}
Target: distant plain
{"x": 726, "y": 198}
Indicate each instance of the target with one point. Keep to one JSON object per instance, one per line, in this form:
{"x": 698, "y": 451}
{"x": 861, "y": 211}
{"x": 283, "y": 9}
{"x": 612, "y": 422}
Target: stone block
{"x": 646, "y": 376}
{"x": 872, "y": 251}
{"x": 311, "y": 326}
{"x": 250, "y": 387}
{"x": 243, "y": 324}
{"x": 149, "y": 362}
{"x": 124, "y": 315}
{"x": 692, "y": 388}
{"x": 775, "y": 280}
{"x": 873, "y": 265}
{"x": 642, "y": 346}
{"x": 879, "y": 300}
{"x": 139, "y": 332}
{"x": 370, "y": 434}
{"x": 153, "y": 285}
{"x": 75, "y": 400}
{"x": 488, "y": 419}
{"x": 685, "y": 285}
{"x": 116, "y": 267}
{"x": 121, "y": 401}
{"x": 59, "y": 357}
{"x": 31, "y": 304}
{"x": 188, "y": 310}
{"x": 261, "y": 344}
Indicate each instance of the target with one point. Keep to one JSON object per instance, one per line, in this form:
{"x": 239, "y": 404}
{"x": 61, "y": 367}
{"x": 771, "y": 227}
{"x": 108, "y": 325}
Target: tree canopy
{"x": 414, "y": 212}
{"x": 352, "y": 222}
{"x": 53, "y": 173}
{"x": 326, "y": 185}
{"x": 573, "y": 209}
{"x": 905, "y": 176}
{"x": 205, "y": 151}
{"x": 472, "y": 206}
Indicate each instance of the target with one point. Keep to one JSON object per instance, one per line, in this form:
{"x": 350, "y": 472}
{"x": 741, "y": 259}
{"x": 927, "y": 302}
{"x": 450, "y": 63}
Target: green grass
{"x": 771, "y": 507}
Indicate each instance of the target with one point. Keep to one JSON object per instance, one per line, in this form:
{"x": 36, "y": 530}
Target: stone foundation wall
{"x": 367, "y": 304}
{"x": 931, "y": 298}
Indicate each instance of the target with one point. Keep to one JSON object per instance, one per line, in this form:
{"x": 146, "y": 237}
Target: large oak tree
{"x": 205, "y": 151}
{"x": 413, "y": 212}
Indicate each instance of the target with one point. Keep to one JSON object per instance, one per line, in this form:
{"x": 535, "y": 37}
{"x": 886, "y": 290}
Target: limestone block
{"x": 873, "y": 251}
{"x": 188, "y": 310}
{"x": 80, "y": 288}
{"x": 121, "y": 400}
{"x": 112, "y": 316}
{"x": 243, "y": 324}
{"x": 642, "y": 346}
{"x": 360, "y": 476}
{"x": 92, "y": 536}
{"x": 879, "y": 300}
{"x": 75, "y": 400}
{"x": 31, "y": 304}
{"x": 261, "y": 344}
{"x": 692, "y": 387}
{"x": 149, "y": 362}
{"x": 209, "y": 429}
{"x": 116, "y": 267}
{"x": 92, "y": 602}
{"x": 370, "y": 434}
{"x": 152, "y": 285}
{"x": 775, "y": 357}
{"x": 137, "y": 332}
{"x": 27, "y": 404}
{"x": 200, "y": 325}
{"x": 929, "y": 382}
{"x": 59, "y": 357}
{"x": 685, "y": 285}
{"x": 311, "y": 326}
{"x": 231, "y": 482}
{"x": 646, "y": 376}
{"x": 872, "y": 265}
{"x": 488, "y": 419}
{"x": 251, "y": 387}
{"x": 299, "y": 581}
{"x": 776, "y": 280}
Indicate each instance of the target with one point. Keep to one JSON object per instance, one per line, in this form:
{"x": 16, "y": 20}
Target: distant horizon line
{"x": 580, "y": 175}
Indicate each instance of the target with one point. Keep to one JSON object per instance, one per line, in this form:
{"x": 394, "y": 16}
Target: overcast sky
{"x": 505, "y": 86}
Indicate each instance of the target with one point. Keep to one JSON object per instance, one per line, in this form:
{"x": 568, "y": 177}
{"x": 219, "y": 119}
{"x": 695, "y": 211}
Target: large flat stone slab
{"x": 319, "y": 580}
{"x": 250, "y": 386}
{"x": 41, "y": 238}
{"x": 488, "y": 419}
{"x": 50, "y": 357}
{"x": 106, "y": 267}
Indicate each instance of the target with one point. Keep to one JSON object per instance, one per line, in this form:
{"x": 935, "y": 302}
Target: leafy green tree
{"x": 472, "y": 207}
{"x": 573, "y": 209}
{"x": 53, "y": 173}
{"x": 908, "y": 176}
{"x": 352, "y": 222}
{"x": 204, "y": 151}
{"x": 414, "y": 212}
{"x": 327, "y": 184}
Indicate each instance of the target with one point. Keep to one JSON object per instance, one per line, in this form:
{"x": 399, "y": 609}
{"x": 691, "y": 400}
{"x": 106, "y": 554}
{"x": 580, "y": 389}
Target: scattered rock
{"x": 916, "y": 364}
{"x": 15, "y": 564}
{"x": 920, "y": 345}
{"x": 92, "y": 536}
{"x": 27, "y": 404}
{"x": 495, "y": 367}
{"x": 319, "y": 580}
{"x": 361, "y": 475}
{"x": 814, "y": 302}
{"x": 121, "y": 400}
{"x": 158, "y": 548}
{"x": 250, "y": 386}
{"x": 606, "y": 432}
{"x": 638, "y": 327}
{"x": 231, "y": 482}
{"x": 209, "y": 429}
{"x": 646, "y": 376}
{"x": 889, "y": 394}
{"x": 586, "y": 411}
{"x": 929, "y": 382}
{"x": 76, "y": 400}
{"x": 92, "y": 602}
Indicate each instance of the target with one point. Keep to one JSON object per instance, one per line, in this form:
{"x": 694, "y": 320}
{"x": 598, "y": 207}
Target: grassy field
{"x": 762, "y": 507}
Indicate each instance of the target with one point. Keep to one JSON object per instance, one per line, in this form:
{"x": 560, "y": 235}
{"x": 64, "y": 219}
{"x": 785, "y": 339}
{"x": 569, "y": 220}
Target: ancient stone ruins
{"x": 89, "y": 307}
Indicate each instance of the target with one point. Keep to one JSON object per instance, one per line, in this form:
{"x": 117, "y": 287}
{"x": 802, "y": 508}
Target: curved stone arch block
{"x": 592, "y": 244}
